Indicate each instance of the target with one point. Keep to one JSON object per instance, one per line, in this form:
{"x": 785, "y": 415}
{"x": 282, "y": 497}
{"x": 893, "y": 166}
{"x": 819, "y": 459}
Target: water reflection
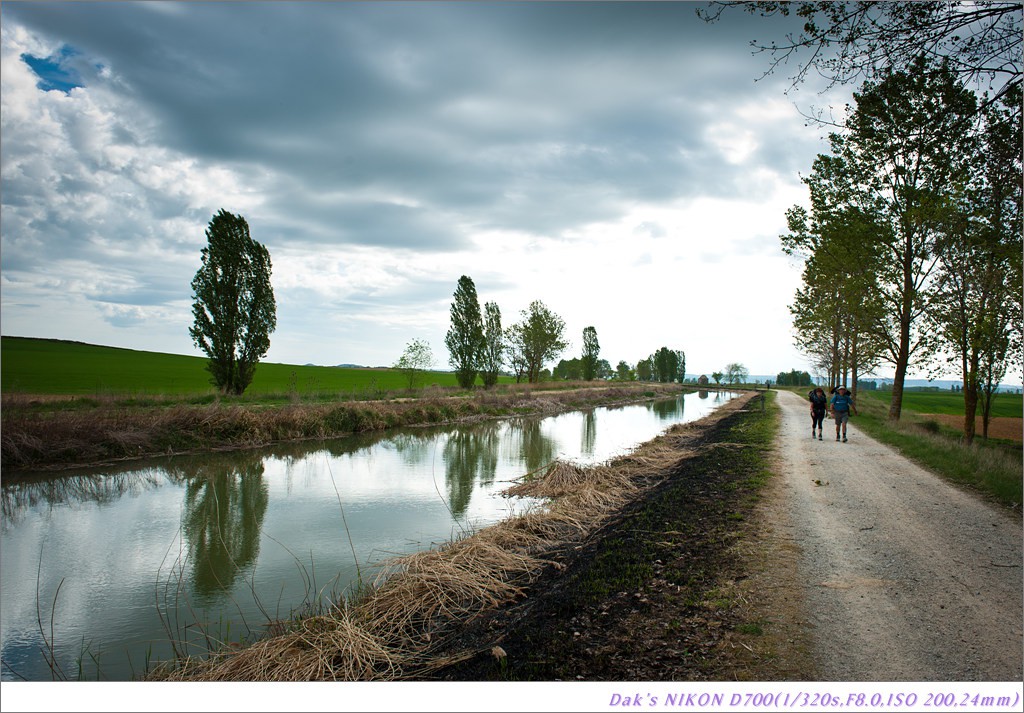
{"x": 225, "y": 539}
{"x": 667, "y": 409}
{"x": 470, "y": 457}
{"x": 225, "y": 503}
{"x": 589, "y": 435}
{"x": 527, "y": 437}
{"x": 19, "y": 496}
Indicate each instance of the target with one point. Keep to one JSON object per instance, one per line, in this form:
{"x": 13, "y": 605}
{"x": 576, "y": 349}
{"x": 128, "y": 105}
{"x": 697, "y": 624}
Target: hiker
{"x": 819, "y": 403}
{"x": 841, "y": 405}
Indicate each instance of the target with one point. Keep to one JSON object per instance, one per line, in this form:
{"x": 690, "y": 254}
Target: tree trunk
{"x": 970, "y": 409}
{"x": 903, "y": 353}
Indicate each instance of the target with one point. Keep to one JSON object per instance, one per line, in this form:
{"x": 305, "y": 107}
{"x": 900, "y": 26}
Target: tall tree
{"x": 465, "y": 337}
{"x": 901, "y": 152}
{"x": 976, "y": 303}
{"x": 234, "y": 307}
{"x": 837, "y": 306}
{"x": 494, "y": 345}
{"x": 591, "y": 350}
{"x": 537, "y": 338}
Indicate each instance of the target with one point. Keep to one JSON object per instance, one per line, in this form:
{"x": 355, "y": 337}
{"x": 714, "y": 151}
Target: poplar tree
{"x": 591, "y": 350}
{"x": 465, "y": 338}
{"x": 494, "y": 345}
{"x": 233, "y": 306}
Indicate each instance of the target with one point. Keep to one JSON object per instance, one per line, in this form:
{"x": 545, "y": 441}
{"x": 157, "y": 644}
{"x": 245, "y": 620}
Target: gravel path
{"x": 904, "y": 577}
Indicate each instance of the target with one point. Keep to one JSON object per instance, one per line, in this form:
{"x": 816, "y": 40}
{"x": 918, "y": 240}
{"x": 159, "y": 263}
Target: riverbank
{"x": 661, "y": 528}
{"x": 41, "y": 433}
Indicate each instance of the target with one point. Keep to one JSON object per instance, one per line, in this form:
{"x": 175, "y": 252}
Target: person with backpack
{"x": 819, "y": 403}
{"x": 842, "y": 404}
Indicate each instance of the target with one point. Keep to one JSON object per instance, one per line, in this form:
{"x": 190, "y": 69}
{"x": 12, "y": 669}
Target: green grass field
{"x": 54, "y": 367}
{"x": 948, "y": 402}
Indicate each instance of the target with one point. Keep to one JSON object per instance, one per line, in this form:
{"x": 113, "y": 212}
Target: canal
{"x": 106, "y": 571}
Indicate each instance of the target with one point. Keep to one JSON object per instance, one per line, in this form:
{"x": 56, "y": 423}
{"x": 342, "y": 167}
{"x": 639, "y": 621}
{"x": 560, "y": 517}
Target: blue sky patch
{"x": 54, "y": 72}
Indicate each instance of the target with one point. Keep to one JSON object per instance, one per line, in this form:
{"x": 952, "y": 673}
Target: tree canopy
{"x": 537, "y": 338}
{"x": 233, "y": 303}
{"x": 591, "y": 351}
{"x": 417, "y": 358}
{"x": 465, "y": 338}
{"x": 494, "y": 345}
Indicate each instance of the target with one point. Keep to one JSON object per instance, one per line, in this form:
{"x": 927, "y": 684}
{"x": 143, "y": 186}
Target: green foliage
{"x": 974, "y": 309}
{"x": 569, "y": 370}
{"x": 645, "y": 369}
{"x": 591, "y": 351}
{"x": 879, "y": 203}
{"x": 234, "y": 307}
{"x": 735, "y": 374}
{"x": 465, "y": 338}
{"x": 667, "y": 365}
{"x": 793, "y": 378}
{"x": 415, "y": 361}
{"x": 624, "y": 372}
{"x": 534, "y": 340}
{"x": 494, "y": 345}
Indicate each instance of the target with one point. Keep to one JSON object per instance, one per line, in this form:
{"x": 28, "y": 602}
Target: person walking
{"x": 819, "y": 404}
{"x": 842, "y": 404}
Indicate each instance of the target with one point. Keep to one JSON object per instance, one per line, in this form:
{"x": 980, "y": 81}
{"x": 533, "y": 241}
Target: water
{"x": 109, "y": 567}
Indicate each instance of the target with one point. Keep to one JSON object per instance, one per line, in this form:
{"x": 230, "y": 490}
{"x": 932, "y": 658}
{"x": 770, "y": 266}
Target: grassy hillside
{"x": 49, "y": 366}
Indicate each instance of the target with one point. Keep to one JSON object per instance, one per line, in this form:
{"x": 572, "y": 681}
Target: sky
{"x": 624, "y": 163}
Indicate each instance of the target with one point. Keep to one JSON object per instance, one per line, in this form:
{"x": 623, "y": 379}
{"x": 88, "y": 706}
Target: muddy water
{"x": 105, "y": 571}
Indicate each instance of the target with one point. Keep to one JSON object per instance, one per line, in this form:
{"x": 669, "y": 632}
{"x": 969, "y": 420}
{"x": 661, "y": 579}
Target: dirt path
{"x": 899, "y": 576}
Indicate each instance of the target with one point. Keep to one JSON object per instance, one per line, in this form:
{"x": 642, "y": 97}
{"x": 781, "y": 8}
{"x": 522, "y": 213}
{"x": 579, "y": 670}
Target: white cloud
{"x": 616, "y": 161}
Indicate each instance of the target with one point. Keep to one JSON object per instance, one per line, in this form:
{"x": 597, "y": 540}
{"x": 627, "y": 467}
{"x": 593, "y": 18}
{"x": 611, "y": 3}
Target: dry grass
{"x": 106, "y": 431}
{"x": 395, "y": 628}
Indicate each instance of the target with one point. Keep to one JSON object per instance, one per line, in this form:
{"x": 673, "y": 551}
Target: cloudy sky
{"x": 620, "y": 162}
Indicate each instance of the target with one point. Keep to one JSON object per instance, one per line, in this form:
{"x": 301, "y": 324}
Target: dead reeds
{"x": 39, "y": 434}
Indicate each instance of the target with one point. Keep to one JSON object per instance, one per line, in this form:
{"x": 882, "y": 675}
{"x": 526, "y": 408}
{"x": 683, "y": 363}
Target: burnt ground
{"x": 660, "y": 592}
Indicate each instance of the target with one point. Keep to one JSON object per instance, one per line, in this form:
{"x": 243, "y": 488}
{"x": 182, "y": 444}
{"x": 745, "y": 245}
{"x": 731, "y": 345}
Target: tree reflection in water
{"x": 589, "y": 436}
{"x": 22, "y": 495}
{"x": 470, "y": 452}
{"x": 667, "y": 409}
{"x": 225, "y": 502}
{"x": 526, "y": 436}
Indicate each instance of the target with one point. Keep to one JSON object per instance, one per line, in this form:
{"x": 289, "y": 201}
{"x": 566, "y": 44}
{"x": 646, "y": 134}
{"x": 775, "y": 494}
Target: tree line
{"x": 912, "y": 243}
{"x": 479, "y": 346}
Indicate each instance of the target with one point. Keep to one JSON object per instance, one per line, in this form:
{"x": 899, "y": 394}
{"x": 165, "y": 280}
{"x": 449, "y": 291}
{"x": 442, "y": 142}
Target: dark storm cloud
{"x": 525, "y": 116}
